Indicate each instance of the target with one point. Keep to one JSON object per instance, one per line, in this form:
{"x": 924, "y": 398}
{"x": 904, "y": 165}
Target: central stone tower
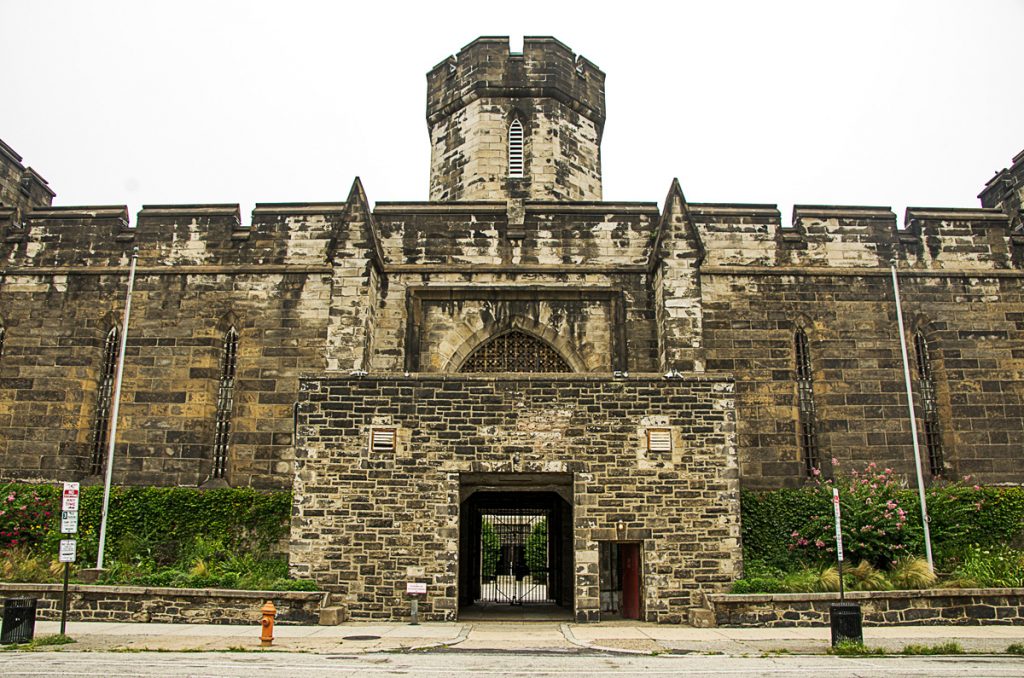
{"x": 515, "y": 126}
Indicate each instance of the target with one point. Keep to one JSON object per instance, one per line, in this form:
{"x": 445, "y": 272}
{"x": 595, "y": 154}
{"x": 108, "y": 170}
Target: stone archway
{"x": 514, "y": 351}
{"x": 548, "y": 347}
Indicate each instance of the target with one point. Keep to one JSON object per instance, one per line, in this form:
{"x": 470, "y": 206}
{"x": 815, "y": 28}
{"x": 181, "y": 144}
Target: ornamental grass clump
{"x": 910, "y": 572}
{"x": 874, "y": 523}
{"x": 866, "y": 577}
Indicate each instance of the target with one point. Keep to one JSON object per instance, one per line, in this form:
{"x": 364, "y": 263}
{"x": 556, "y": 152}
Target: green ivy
{"x": 962, "y": 518}
{"x": 158, "y": 524}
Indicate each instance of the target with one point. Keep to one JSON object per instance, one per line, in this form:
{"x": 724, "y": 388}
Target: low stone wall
{"x": 159, "y": 604}
{"x": 880, "y": 608}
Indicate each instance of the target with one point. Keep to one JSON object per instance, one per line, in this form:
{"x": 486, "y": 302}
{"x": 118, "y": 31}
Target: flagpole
{"x": 913, "y": 419}
{"x": 112, "y": 439}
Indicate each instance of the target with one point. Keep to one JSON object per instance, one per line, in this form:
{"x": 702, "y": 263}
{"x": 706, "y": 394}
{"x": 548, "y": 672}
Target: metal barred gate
{"x": 515, "y": 562}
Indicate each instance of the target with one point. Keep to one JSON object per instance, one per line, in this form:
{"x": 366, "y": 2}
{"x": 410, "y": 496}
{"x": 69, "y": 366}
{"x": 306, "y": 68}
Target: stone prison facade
{"x": 513, "y": 392}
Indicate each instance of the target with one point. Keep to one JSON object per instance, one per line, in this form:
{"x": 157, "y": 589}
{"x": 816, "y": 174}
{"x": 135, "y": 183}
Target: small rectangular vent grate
{"x": 659, "y": 440}
{"x": 382, "y": 440}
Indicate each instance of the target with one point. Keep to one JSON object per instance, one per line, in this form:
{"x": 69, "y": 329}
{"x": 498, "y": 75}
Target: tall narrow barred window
{"x": 225, "y": 402}
{"x": 3, "y": 334}
{"x": 101, "y": 425}
{"x": 932, "y": 438}
{"x": 805, "y": 402}
{"x": 515, "y": 149}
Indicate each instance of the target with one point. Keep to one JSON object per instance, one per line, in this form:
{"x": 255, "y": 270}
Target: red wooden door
{"x": 630, "y": 554}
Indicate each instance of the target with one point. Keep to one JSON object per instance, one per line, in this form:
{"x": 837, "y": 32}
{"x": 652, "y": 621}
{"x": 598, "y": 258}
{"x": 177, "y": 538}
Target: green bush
{"x": 990, "y": 566}
{"x": 768, "y": 520}
{"x": 874, "y": 523}
{"x": 26, "y": 514}
{"x": 961, "y": 516}
{"x": 159, "y": 536}
{"x": 537, "y": 552}
{"x": 491, "y": 549}
{"x": 950, "y": 647}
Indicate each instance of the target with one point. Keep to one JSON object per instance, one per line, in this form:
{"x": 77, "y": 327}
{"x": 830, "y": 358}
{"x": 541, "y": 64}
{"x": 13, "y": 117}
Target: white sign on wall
{"x": 416, "y": 588}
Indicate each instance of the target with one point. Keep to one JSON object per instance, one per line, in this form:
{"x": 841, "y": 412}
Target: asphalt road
{"x": 560, "y": 665}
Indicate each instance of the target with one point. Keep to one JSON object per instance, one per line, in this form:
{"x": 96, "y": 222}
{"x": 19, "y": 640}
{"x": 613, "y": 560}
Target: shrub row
{"x": 962, "y": 518}
{"x": 157, "y": 524}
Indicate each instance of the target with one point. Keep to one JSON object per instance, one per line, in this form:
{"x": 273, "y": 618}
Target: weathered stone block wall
{"x": 199, "y": 272}
{"x": 366, "y": 523}
{"x": 1005, "y": 191}
{"x": 973, "y": 327}
{"x": 574, "y": 275}
{"x": 166, "y": 605}
{"x": 880, "y": 608}
{"x": 21, "y": 188}
{"x": 557, "y": 96}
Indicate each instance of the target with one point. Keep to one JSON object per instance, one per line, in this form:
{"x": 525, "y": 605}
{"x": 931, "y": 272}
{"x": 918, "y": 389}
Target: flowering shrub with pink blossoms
{"x": 25, "y": 516}
{"x": 876, "y": 526}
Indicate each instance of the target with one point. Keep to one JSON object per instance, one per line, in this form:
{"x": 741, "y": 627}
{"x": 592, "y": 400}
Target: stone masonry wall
{"x": 574, "y": 275}
{"x": 880, "y": 608}
{"x": 166, "y": 605}
{"x": 366, "y": 523}
{"x": 471, "y": 100}
{"x": 973, "y": 328}
{"x": 21, "y": 188}
{"x": 199, "y": 272}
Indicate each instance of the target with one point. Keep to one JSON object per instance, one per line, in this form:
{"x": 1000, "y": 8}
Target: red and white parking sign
{"x": 69, "y": 502}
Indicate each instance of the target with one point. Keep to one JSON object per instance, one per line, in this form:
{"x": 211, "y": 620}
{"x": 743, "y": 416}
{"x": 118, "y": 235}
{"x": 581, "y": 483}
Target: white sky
{"x": 857, "y": 103}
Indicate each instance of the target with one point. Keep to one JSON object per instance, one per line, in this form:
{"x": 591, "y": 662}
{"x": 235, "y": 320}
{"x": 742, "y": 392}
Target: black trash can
{"x": 846, "y": 622}
{"x": 19, "y": 625}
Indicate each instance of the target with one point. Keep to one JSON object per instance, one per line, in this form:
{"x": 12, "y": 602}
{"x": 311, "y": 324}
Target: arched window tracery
{"x": 515, "y": 351}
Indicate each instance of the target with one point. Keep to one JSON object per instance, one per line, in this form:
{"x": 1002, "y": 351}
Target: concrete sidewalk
{"x": 625, "y": 637}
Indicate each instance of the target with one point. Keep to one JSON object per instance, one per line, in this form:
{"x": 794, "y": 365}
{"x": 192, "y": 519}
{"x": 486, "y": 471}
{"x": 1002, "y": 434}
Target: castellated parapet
{"x": 551, "y": 236}
{"x": 1005, "y": 191}
{"x": 474, "y": 97}
{"x": 21, "y": 188}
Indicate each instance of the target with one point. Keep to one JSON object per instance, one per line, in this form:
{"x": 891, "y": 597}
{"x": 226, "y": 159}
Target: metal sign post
{"x": 415, "y": 589}
{"x": 839, "y": 541}
{"x": 846, "y": 619}
{"x": 68, "y": 547}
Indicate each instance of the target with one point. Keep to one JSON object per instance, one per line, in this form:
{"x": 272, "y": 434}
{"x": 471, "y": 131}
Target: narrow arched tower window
{"x": 225, "y": 402}
{"x": 3, "y": 335}
{"x": 932, "y": 437}
{"x": 101, "y": 424}
{"x": 515, "y": 149}
{"x": 805, "y": 402}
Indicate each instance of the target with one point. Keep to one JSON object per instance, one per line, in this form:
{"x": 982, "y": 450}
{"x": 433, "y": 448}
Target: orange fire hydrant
{"x": 267, "y": 635}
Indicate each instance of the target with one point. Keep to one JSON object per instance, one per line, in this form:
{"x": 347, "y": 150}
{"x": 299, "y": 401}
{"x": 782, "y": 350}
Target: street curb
{"x": 463, "y": 634}
{"x": 571, "y": 637}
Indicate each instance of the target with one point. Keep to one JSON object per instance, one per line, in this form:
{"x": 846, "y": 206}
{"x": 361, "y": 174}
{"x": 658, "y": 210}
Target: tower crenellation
{"x": 474, "y": 98}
